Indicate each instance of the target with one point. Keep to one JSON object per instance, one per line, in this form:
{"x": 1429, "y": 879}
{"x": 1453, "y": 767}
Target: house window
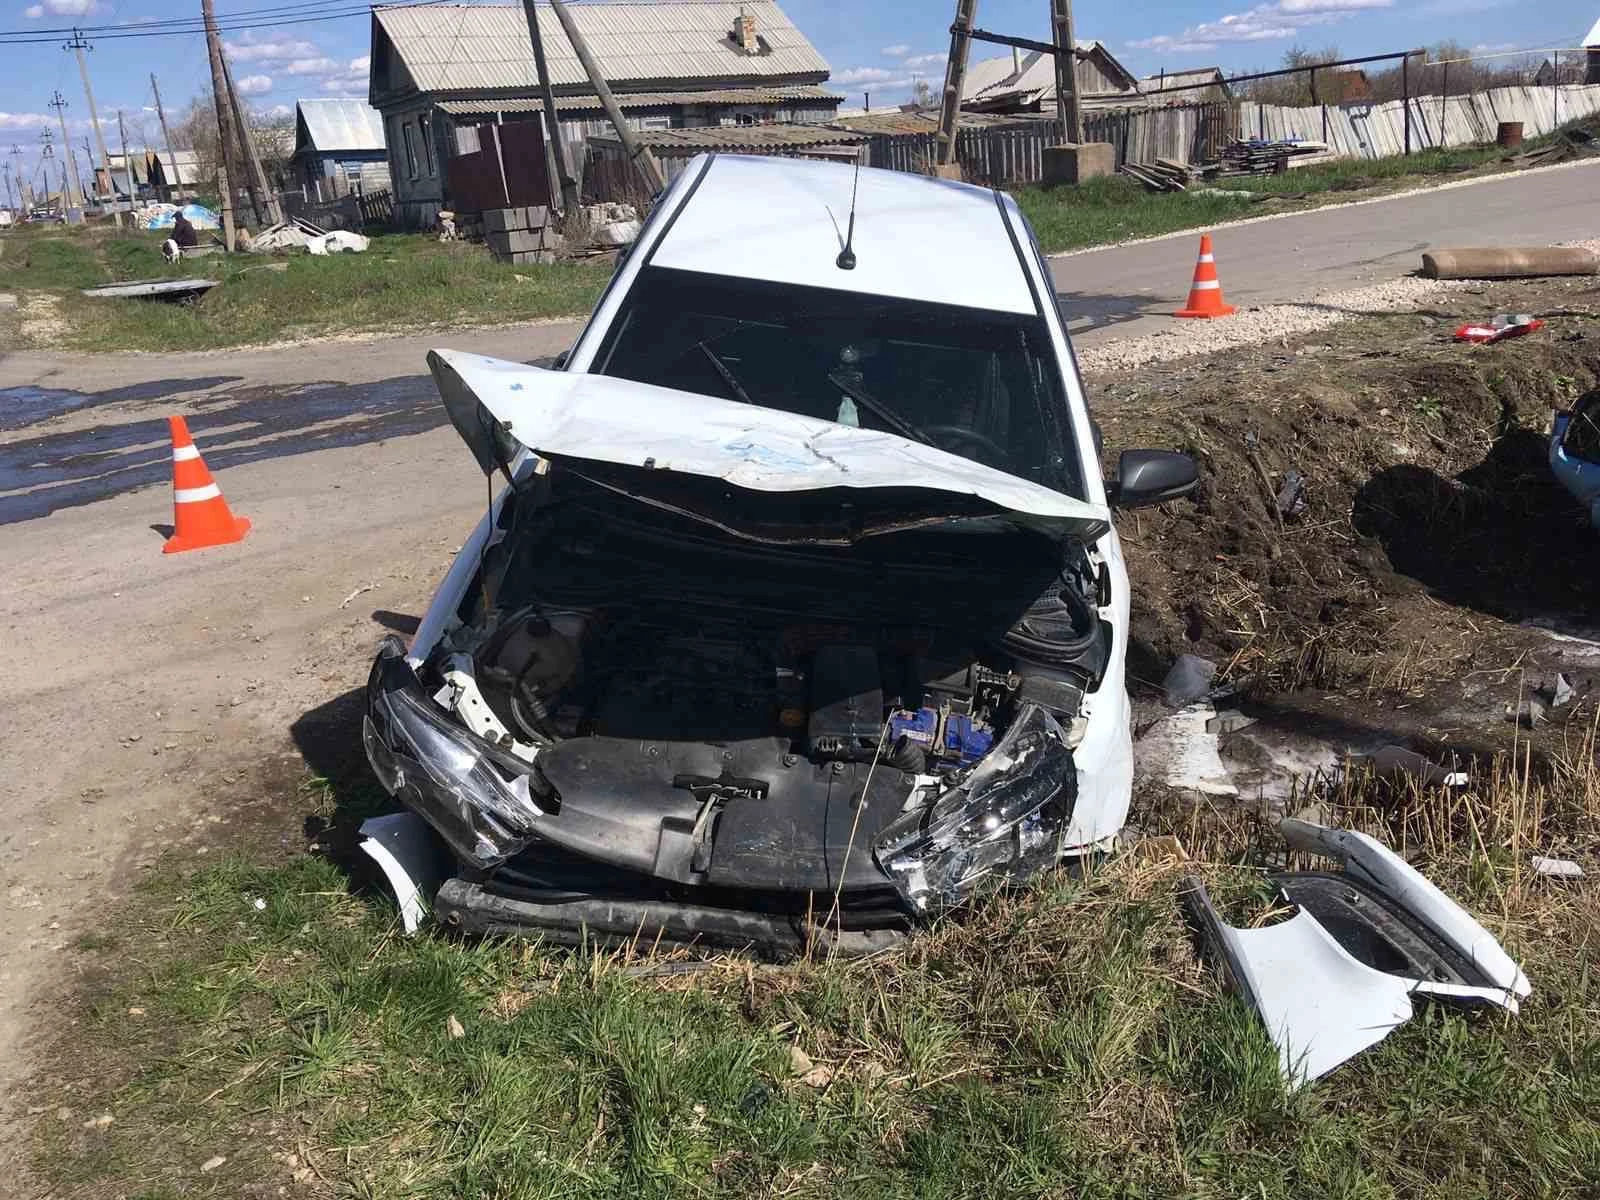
{"x": 408, "y": 134}
{"x": 426, "y": 128}
{"x": 745, "y": 119}
{"x": 655, "y": 122}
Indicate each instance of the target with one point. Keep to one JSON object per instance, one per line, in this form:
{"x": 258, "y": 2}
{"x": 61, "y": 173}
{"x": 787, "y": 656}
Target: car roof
{"x": 916, "y": 238}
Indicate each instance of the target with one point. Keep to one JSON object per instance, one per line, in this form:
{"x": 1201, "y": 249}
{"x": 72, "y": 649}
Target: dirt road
{"x": 147, "y": 697}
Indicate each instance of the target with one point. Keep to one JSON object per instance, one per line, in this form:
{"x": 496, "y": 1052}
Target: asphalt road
{"x": 1127, "y": 291}
{"x": 149, "y": 691}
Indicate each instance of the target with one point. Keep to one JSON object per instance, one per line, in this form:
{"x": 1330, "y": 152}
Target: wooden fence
{"x": 1009, "y": 155}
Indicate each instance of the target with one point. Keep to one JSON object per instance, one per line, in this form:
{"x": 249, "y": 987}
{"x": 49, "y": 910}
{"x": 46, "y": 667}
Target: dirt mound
{"x": 1427, "y": 495}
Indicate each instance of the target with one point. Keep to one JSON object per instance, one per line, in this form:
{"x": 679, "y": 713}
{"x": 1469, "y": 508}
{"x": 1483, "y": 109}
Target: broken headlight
{"x": 1005, "y": 819}
{"x": 475, "y": 795}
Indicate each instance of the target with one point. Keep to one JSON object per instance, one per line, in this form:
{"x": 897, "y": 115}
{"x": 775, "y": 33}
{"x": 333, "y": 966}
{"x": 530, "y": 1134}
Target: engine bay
{"x": 606, "y": 619}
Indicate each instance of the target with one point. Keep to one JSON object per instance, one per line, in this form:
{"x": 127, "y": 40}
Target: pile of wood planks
{"x": 1163, "y": 175}
{"x": 1256, "y": 157}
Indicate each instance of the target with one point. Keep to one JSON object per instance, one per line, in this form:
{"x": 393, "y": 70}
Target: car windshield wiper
{"x": 885, "y": 414}
{"x": 725, "y": 375}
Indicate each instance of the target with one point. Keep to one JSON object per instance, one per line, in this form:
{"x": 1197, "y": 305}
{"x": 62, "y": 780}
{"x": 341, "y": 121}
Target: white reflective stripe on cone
{"x": 190, "y": 495}
{"x": 185, "y": 453}
{"x": 1206, "y": 285}
{"x": 1208, "y": 258}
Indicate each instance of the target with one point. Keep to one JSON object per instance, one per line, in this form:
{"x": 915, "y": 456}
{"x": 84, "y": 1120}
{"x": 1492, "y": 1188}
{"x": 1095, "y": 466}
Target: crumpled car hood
{"x": 501, "y": 407}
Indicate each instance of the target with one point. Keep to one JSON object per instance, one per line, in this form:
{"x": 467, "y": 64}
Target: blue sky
{"x": 876, "y": 44}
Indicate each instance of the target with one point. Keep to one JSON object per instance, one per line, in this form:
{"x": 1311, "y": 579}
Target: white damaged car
{"x": 801, "y": 613}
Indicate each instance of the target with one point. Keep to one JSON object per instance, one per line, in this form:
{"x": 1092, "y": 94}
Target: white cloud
{"x": 360, "y": 66}
{"x": 18, "y": 121}
{"x": 1280, "y": 19}
{"x": 254, "y": 85}
{"x": 926, "y": 60}
{"x": 279, "y": 112}
{"x": 898, "y": 50}
{"x": 343, "y": 85}
{"x": 863, "y": 75}
{"x": 61, "y": 8}
{"x": 308, "y": 66}
{"x": 250, "y": 49}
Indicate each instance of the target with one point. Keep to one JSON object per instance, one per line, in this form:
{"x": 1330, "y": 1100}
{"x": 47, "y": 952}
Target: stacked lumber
{"x": 1162, "y": 175}
{"x": 1256, "y": 157}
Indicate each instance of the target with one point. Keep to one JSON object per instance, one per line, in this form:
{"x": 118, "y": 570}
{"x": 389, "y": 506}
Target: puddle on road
{"x": 23, "y": 406}
{"x": 39, "y": 475}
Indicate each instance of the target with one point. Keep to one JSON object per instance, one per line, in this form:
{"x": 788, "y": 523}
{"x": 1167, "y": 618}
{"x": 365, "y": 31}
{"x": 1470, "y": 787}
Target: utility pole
{"x": 60, "y": 105}
{"x": 78, "y": 45}
{"x": 127, "y": 163}
{"x": 22, "y": 182}
{"x": 1066, "y": 72}
{"x": 636, "y": 150}
{"x": 166, "y": 137}
{"x": 955, "y": 74}
{"x": 262, "y": 201}
{"x": 48, "y": 153}
{"x": 552, "y": 127}
{"x": 225, "y": 131}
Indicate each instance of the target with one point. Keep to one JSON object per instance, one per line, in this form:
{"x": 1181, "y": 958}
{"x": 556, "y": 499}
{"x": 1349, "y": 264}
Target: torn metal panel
{"x": 1320, "y": 1005}
{"x": 1369, "y": 860}
{"x": 407, "y": 853}
{"x": 1339, "y": 975}
{"x": 500, "y": 408}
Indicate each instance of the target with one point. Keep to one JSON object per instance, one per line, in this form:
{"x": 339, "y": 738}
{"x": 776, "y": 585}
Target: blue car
{"x": 1575, "y": 453}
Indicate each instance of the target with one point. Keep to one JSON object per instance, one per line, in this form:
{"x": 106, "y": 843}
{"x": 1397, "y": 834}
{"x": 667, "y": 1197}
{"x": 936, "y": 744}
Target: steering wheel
{"x": 990, "y": 452}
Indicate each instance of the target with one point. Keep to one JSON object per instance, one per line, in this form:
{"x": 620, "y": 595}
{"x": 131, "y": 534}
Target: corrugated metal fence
{"x": 1378, "y": 130}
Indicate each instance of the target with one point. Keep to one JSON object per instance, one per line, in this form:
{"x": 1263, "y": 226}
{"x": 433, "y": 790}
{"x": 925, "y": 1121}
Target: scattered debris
{"x": 1499, "y": 328}
{"x": 453, "y": 1027}
{"x": 1397, "y": 762}
{"x": 212, "y": 1163}
{"x": 1557, "y": 868}
{"x": 181, "y": 290}
{"x": 366, "y": 587}
{"x": 340, "y": 241}
{"x": 1564, "y": 146}
{"x": 1189, "y": 680}
{"x": 1559, "y": 694}
{"x": 295, "y": 233}
{"x": 1528, "y": 712}
{"x": 103, "y": 1121}
{"x": 1163, "y": 848}
{"x": 1229, "y": 721}
{"x": 1163, "y": 175}
{"x": 1338, "y": 976}
{"x": 407, "y": 852}
{"x": 160, "y": 216}
{"x": 1292, "y": 495}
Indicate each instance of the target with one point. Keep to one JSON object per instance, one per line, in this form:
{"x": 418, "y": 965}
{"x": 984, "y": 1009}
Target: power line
{"x": 35, "y": 37}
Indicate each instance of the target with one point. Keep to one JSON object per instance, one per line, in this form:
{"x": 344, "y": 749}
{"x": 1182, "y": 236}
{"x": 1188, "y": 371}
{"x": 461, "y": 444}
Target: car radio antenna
{"x": 847, "y": 256}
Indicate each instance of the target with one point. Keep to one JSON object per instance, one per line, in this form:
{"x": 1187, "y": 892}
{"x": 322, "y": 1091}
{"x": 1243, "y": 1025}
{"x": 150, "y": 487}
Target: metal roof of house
{"x": 454, "y": 48}
{"x": 894, "y": 120}
{"x": 1593, "y": 40}
{"x": 580, "y": 103}
{"x": 1034, "y": 74}
{"x": 333, "y": 125}
{"x": 740, "y": 137}
{"x": 1169, "y": 80}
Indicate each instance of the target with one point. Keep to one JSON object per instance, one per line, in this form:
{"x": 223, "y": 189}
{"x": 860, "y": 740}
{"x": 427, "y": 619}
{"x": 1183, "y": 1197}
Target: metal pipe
{"x": 1405, "y": 96}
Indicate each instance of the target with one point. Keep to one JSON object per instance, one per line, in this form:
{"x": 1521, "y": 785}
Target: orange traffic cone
{"x": 200, "y": 516}
{"x": 1205, "y": 293}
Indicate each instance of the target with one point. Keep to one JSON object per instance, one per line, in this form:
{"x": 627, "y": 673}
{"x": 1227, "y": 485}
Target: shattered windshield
{"x": 975, "y": 383}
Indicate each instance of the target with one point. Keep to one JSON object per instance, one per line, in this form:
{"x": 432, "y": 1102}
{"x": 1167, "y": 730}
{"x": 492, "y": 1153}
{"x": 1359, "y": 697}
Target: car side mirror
{"x": 1151, "y": 477}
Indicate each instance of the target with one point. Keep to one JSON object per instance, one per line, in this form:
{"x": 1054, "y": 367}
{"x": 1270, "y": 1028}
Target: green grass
{"x": 404, "y": 282}
{"x": 1120, "y": 208}
{"x": 1059, "y": 1042}
{"x": 1116, "y": 209}
{"x": 1353, "y": 174}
